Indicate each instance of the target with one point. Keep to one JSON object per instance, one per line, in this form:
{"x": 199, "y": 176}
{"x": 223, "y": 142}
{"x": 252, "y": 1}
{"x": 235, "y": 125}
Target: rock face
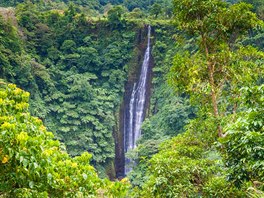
{"x": 9, "y": 15}
{"x": 139, "y": 103}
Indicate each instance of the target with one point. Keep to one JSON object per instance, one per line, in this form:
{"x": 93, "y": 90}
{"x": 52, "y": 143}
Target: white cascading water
{"x": 136, "y": 107}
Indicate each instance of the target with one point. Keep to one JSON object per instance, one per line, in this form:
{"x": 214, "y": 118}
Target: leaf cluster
{"x": 32, "y": 162}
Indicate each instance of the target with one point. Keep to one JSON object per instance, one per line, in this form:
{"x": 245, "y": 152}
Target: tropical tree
{"x": 219, "y": 67}
{"x": 212, "y": 74}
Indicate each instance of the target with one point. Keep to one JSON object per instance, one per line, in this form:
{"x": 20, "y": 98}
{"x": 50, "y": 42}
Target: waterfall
{"x": 135, "y": 114}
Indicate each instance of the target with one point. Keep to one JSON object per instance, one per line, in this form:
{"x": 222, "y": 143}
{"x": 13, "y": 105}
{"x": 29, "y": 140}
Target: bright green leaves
{"x": 22, "y": 137}
{"x": 32, "y": 163}
{"x": 243, "y": 145}
{"x": 188, "y": 73}
{"x": 240, "y": 67}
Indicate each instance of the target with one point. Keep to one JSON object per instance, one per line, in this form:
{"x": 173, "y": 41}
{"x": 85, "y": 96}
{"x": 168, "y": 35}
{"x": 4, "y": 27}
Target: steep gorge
{"x": 132, "y": 83}
{"x": 81, "y": 85}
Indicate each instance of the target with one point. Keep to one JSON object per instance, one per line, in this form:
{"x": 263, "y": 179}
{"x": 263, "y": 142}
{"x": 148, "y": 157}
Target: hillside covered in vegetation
{"x": 75, "y": 64}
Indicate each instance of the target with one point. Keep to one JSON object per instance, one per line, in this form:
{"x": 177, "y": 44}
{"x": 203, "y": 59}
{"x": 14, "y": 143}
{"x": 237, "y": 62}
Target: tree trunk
{"x": 211, "y": 66}
{"x": 214, "y": 98}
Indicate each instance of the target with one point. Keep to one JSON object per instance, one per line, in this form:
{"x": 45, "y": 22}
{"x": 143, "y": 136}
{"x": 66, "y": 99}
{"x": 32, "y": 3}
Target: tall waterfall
{"x": 135, "y": 114}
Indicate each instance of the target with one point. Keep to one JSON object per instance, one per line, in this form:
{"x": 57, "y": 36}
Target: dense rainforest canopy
{"x": 203, "y": 135}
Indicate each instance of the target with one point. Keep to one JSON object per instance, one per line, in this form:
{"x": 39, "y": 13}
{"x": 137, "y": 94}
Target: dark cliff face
{"x": 133, "y": 76}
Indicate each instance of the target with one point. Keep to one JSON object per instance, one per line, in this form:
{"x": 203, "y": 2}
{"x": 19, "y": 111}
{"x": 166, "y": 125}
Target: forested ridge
{"x": 73, "y": 60}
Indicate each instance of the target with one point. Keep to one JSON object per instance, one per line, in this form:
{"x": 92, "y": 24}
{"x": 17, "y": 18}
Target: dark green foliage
{"x": 155, "y": 9}
{"x": 169, "y": 112}
{"x": 255, "y": 38}
{"x": 75, "y": 71}
{"x": 141, "y": 155}
{"x": 130, "y": 4}
{"x": 114, "y": 15}
{"x": 10, "y": 3}
{"x": 173, "y": 113}
{"x": 94, "y": 7}
{"x": 14, "y": 64}
{"x": 89, "y": 78}
{"x": 258, "y": 6}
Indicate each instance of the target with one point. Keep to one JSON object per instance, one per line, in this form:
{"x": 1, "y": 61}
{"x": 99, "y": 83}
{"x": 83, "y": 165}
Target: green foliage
{"x": 76, "y": 81}
{"x": 189, "y": 166}
{"x": 114, "y": 15}
{"x": 75, "y": 67}
{"x": 155, "y": 9}
{"x": 219, "y": 64}
{"x": 258, "y": 7}
{"x": 180, "y": 169}
{"x": 98, "y": 7}
{"x": 255, "y": 38}
{"x": 230, "y": 67}
{"x": 214, "y": 19}
{"x": 212, "y": 74}
{"x": 243, "y": 144}
{"x": 33, "y": 163}
{"x": 141, "y": 155}
{"x": 172, "y": 115}
{"x": 9, "y": 46}
{"x": 218, "y": 187}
